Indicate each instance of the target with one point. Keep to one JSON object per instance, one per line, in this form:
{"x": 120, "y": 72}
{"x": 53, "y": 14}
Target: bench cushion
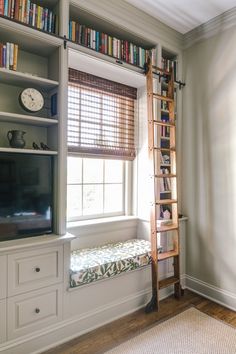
{"x": 90, "y": 264}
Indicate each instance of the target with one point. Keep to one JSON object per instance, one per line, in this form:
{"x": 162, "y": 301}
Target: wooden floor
{"x": 108, "y": 336}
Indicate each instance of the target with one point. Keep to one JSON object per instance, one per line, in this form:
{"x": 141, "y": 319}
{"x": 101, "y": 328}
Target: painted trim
{"x": 211, "y": 292}
{"x": 77, "y": 326}
{"x": 212, "y": 27}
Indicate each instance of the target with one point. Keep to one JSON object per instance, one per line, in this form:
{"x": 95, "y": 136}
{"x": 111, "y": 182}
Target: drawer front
{"x": 3, "y": 277}
{"x": 33, "y": 311}
{"x": 3, "y": 321}
{"x": 34, "y": 269}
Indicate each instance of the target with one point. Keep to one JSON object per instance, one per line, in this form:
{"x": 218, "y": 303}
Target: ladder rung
{"x": 160, "y": 70}
{"x": 164, "y": 149}
{"x": 164, "y": 124}
{"x": 166, "y": 175}
{"x": 166, "y": 255}
{"x": 162, "y": 98}
{"x": 170, "y": 227}
{"x": 164, "y": 283}
{"x": 166, "y": 201}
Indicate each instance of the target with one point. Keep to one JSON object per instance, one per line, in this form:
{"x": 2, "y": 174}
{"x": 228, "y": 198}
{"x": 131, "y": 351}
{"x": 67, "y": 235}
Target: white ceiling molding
{"x": 183, "y": 15}
{"x": 216, "y": 25}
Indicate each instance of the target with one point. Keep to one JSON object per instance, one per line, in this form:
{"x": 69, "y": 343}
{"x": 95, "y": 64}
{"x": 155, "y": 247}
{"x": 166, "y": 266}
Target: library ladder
{"x": 161, "y": 173}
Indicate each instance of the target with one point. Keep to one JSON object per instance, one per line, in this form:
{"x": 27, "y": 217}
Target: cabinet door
{"x": 31, "y": 270}
{"x": 3, "y": 277}
{"x": 33, "y": 311}
{"x": 3, "y": 321}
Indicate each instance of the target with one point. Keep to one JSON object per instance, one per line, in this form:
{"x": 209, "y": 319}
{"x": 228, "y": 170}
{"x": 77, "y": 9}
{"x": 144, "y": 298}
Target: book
{"x": 15, "y": 57}
{"x": 11, "y": 55}
{"x": 1, "y": 7}
{"x": 7, "y": 56}
{"x": 5, "y": 7}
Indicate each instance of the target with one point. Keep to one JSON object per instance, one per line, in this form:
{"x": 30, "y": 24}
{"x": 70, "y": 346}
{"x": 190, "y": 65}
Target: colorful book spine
{"x": 5, "y": 7}
{"x": 8, "y": 56}
{"x": 106, "y": 44}
{"x": 30, "y": 13}
{"x": 168, "y": 64}
{"x": 1, "y": 7}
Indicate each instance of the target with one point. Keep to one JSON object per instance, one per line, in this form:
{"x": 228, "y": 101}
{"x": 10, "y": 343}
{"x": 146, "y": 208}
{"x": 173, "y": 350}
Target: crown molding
{"x": 213, "y": 27}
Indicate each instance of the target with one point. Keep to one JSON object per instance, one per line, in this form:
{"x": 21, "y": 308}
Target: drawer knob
{"x": 37, "y": 269}
{"x": 37, "y": 310}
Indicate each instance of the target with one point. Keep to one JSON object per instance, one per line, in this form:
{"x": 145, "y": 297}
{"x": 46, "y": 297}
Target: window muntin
{"x": 95, "y": 188}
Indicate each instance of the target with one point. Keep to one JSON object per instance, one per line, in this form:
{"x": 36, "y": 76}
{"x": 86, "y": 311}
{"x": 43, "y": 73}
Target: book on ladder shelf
{"x": 162, "y": 161}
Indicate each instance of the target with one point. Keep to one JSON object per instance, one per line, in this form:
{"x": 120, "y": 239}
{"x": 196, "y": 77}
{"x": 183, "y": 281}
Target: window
{"x": 101, "y": 137}
{"x": 95, "y": 188}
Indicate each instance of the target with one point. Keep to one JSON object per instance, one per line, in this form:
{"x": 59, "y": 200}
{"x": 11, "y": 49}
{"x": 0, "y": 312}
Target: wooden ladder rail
{"x": 154, "y": 166}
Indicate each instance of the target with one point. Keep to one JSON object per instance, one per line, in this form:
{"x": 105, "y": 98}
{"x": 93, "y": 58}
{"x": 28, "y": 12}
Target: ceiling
{"x": 183, "y": 15}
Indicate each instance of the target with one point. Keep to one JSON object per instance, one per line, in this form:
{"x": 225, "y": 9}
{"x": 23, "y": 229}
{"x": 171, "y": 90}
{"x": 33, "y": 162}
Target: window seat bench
{"x": 92, "y": 264}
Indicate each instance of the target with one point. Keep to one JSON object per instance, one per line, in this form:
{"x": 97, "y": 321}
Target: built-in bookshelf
{"x": 33, "y": 69}
{"x": 104, "y": 43}
{"x": 168, "y": 63}
{"x": 41, "y": 15}
{"x": 100, "y": 37}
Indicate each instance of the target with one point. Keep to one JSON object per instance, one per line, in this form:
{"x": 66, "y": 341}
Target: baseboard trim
{"x": 211, "y": 292}
{"x": 79, "y": 325}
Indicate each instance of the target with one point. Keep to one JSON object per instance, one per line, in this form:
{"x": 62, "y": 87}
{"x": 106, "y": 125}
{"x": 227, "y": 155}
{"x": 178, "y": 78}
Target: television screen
{"x": 25, "y": 195}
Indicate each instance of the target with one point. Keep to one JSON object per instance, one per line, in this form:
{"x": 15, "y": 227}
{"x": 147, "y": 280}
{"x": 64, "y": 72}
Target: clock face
{"x": 31, "y": 100}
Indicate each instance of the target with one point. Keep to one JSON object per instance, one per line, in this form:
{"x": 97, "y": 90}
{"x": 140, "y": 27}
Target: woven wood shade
{"x": 100, "y": 116}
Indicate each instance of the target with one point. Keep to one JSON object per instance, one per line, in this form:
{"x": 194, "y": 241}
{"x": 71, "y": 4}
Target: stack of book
{"x": 8, "y": 56}
{"x": 103, "y": 43}
{"x": 32, "y": 14}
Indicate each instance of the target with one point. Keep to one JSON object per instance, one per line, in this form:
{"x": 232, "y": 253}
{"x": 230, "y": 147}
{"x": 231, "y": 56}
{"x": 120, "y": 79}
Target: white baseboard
{"x": 211, "y": 292}
{"x": 75, "y": 327}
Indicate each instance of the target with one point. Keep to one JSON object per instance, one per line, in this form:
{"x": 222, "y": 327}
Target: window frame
{"x": 126, "y": 191}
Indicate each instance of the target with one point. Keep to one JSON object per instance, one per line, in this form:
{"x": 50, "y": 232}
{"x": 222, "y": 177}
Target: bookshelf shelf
{"x": 27, "y": 37}
{"x": 27, "y": 119}
{"x": 104, "y": 57}
{"x": 99, "y": 36}
{"x": 25, "y": 80}
{"x": 29, "y": 151}
{"x": 102, "y": 65}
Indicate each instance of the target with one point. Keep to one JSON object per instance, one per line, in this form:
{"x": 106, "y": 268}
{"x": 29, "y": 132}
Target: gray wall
{"x": 209, "y": 160}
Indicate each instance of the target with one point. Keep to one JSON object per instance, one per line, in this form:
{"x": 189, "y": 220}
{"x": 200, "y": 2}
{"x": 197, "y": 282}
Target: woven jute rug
{"x": 191, "y": 332}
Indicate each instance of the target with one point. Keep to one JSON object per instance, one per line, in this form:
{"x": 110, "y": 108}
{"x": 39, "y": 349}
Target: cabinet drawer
{"x": 33, "y": 311}
{"x": 3, "y": 321}
{"x": 34, "y": 269}
{"x": 3, "y": 277}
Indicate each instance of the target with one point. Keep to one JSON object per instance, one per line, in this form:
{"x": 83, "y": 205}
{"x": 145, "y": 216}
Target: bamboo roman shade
{"x": 100, "y": 116}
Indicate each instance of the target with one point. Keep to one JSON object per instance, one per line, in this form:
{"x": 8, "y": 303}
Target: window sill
{"x": 84, "y": 227}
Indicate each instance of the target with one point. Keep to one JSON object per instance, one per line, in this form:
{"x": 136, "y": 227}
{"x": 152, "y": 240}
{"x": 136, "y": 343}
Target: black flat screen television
{"x": 25, "y": 195}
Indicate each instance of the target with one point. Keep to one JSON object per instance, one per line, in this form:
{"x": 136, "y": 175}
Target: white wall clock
{"x": 31, "y": 100}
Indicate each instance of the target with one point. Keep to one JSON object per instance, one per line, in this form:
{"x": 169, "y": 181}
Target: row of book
{"x": 103, "y": 43}
{"x": 30, "y": 13}
{"x": 8, "y": 56}
{"x": 165, "y": 182}
{"x": 168, "y": 64}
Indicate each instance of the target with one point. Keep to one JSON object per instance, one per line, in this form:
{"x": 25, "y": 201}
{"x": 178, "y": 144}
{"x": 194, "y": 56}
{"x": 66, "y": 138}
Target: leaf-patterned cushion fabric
{"x": 90, "y": 264}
